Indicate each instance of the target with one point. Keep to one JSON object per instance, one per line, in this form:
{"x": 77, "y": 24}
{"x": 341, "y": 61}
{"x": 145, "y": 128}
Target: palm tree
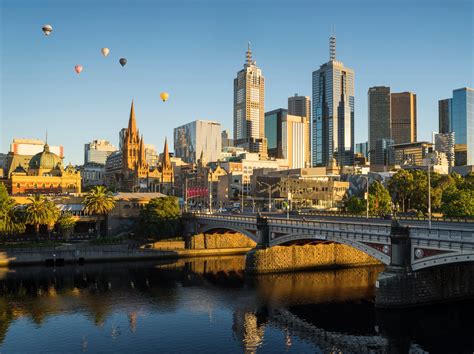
{"x": 39, "y": 212}
{"x": 98, "y": 201}
{"x": 11, "y": 221}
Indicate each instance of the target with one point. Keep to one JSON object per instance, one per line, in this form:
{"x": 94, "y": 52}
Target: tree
{"x": 66, "y": 224}
{"x": 355, "y": 205}
{"x": 401, "y": 187}
{"x": 160, "y": 217}
{"x": 99, "y": 202}
{"x": 11, "y": 217}
{"x": 458, "y": 202}
{"x": 380, "y": 202}
{"x": 41, "y": 211}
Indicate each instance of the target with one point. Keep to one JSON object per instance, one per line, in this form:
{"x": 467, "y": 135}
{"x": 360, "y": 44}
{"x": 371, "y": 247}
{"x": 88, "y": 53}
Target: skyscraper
{"x": 97, "y": 151}
{"x": 379, "y": 118}
{"x": 463, "y": 124}
{"x": 249, "y": 108}
{"x": 333, "y": 112}
{"x": 273, "y": 124}
{"x": 444, "y": 142}
{"x": 294, "y": 140}
{"x": 403, "y": 115}
{"x": 199, "y": 136}
{"x": 445, "y": 115}
{"x": 301, "y": 106}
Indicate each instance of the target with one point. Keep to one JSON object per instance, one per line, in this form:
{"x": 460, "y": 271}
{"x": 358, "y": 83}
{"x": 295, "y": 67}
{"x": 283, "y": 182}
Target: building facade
{"x": 273, "y": 124}
{"x": 463, "y": 124}
{"x": 363, "y": 149}
{"x": 301, "y": 106}
{"x": 97, "y": 151}
{"x": 445, "y": 115}
{"x": 333, "y": 112}
{"x": 403, "y": 117}
{"x": 294, "y": 141}
{"x": 444, "y": 143}
{"x": 412, "y": 154}
{"x": 249, "y": 108}
{"x": 199, "y": 136}
{"x": 227, "y": 141}
{"x": 379, "y": 117}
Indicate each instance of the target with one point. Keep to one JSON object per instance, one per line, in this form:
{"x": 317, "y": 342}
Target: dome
{"x": 45, "y": 159}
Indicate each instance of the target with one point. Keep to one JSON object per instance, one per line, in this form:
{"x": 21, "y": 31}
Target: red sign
{"x": 197, "y": 192}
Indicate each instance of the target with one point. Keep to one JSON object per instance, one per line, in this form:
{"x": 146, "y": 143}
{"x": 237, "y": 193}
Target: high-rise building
{"x": 445, "y": 115}
{"x": 226, "y": 139}
{"x": 151, "y": 155}
{"x": 199, "y": 136}
{"x": 444, "y": 142}
{"x": 403, "y": 116}
{"x": 301, "y": 106}
{"x": 363, "y": 149}
{"x": 383, "y": 153}
{"x": 30, "y": 147}
{"x": 333, "y": 112}
{"x": 97, "y": 151}
{"x": 379, "y": 118}
{"x": 463, "y": 125}
{"x": 249, "y": 108}
{"x": 294, "y": 140}
{"x": 273, "y": 124}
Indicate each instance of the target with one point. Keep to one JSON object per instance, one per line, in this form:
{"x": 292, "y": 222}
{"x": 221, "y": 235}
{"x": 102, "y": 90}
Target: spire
{"x": 332, "y": 47}
{"x": 249, "y": 55}
{"x": 166, "y": 163}
{"x": 132, "y": 125}
{"x": 141, "y": 155}
{"x": 46, "y": 146}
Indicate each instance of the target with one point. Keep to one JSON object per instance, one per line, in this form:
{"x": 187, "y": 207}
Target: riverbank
{"x": 102, "y": 253}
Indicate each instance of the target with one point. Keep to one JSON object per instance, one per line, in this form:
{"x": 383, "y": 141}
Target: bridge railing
{"x": 227, "y": 217}
{"x": 442, "y": 234}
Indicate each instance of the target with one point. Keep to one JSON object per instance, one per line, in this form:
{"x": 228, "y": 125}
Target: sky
{"x": 194, "y": 49}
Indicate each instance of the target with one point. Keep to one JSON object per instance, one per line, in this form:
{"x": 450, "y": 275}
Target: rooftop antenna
{"x": 332, "y": 45}
{"x": 249, "y": 54}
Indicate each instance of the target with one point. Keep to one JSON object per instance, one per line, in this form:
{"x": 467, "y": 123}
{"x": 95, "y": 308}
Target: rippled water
{"x": 209, "y": 305}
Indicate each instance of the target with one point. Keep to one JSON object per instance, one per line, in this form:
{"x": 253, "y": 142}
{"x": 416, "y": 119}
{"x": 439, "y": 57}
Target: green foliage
{"x": 11, "y": 217}
{"x": 98, "y": 201}
{"x": 41, "y": 211}
{"x": 401, "y": 188}
{"x": 380, "y": 202}
{"x": 66, "y": 221}
{"x": 160, "y": 217}
{"x": 458, "y": 202}
{"x": 355, "y": 205}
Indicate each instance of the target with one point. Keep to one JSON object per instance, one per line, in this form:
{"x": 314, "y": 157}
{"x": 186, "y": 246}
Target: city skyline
{"x": 44, "y": 93}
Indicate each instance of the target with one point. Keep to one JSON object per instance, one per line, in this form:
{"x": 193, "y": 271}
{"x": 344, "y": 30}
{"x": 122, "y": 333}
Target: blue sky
{"x": 193, "y": 50}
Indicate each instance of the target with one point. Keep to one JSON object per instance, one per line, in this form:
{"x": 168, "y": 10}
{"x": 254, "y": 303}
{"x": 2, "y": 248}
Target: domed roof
{"x": 45, "y": 159}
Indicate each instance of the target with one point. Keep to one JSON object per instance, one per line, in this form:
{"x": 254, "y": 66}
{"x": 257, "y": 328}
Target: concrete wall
{"x": 288, "y": 258}
{"x": 399, "y": 288}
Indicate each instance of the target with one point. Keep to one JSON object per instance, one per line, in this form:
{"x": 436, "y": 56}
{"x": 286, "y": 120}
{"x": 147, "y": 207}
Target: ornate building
{"x": 45, "y": 174}
{"x": 134, "y": 174}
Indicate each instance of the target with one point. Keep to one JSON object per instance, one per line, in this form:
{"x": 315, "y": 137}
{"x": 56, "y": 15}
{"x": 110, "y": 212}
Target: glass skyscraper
{"x": 333, "y": 112}
{"x": 463, "y": 121}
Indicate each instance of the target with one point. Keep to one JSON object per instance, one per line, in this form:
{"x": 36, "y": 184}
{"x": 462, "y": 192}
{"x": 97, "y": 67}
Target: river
{"x": 210, "y": 305}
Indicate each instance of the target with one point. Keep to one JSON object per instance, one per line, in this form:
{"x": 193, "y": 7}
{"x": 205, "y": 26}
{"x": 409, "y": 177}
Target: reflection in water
{"x": 211, "y": 305}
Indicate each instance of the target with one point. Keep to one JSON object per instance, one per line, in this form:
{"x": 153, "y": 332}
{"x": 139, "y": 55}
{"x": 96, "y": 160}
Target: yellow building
{"x": 44, "y": 174}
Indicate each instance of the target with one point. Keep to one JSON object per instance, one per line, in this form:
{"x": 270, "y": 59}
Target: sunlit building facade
{"x": 463, "y": 123}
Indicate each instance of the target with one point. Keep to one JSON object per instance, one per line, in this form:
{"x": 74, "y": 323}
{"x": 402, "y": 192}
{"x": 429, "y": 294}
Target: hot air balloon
{"x": 78, "y": 68}
{"x": 164, "y": 96}
{"x": 105, "y": 51}
{"x": 47, "y": 29}
{"x": 123, "y": 61}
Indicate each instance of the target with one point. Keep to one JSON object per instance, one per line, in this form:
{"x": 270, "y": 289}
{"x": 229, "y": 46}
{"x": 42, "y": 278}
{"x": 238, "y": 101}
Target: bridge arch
{"x": 210, "y": 227}
{"x": 370, "y": 251}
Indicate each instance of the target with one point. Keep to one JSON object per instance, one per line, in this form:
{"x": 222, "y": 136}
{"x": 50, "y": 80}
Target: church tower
{"x": 131, "y": 144}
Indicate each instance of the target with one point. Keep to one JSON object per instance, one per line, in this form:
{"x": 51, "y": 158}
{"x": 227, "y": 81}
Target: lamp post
{"x": 429, "y": 193}
{"x": 269, "y": 195}
{"x": 366, "y": 198}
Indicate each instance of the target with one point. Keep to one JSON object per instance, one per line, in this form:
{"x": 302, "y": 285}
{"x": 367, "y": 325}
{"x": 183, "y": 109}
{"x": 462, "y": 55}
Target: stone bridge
{"x": 411, "y": 253}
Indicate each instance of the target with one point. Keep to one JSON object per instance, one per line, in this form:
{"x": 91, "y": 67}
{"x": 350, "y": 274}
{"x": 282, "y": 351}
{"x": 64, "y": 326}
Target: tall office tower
{"x": 294, "y": 140}
{"x": 226, "y": 140}
{"x": 249, "y": 108}
{"x": 445, "y": 115}
{"x": 121, "y": 137}
{"x": 199, "y": 136}
{"x": 463, "y": 125}
{"x": 444, "y": 142}
{"x": 383, "y": 152}
{"x": 301, "y": 106}
{"x": 333, "y": 112}
{"x": 379, "y": 118}
{"x": 97, "y": 151}
{"x": 363, "y": 149}
{"x": 273, "y": 124}
{"x": 403, "y": 114}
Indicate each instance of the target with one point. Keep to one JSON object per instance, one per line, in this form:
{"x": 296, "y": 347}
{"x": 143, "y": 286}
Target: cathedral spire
{"x": 141, "y": 156}
{"x": 166, "y": 163}
{"x": 132, "y": 124}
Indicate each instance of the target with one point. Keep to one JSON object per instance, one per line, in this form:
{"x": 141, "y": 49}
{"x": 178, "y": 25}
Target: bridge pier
{"x": 401, "y": 287}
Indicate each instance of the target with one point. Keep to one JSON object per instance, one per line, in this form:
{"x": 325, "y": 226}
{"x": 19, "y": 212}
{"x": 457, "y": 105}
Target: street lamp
{"x": 269, "y": 194}
{"x": 366, "y": 197}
